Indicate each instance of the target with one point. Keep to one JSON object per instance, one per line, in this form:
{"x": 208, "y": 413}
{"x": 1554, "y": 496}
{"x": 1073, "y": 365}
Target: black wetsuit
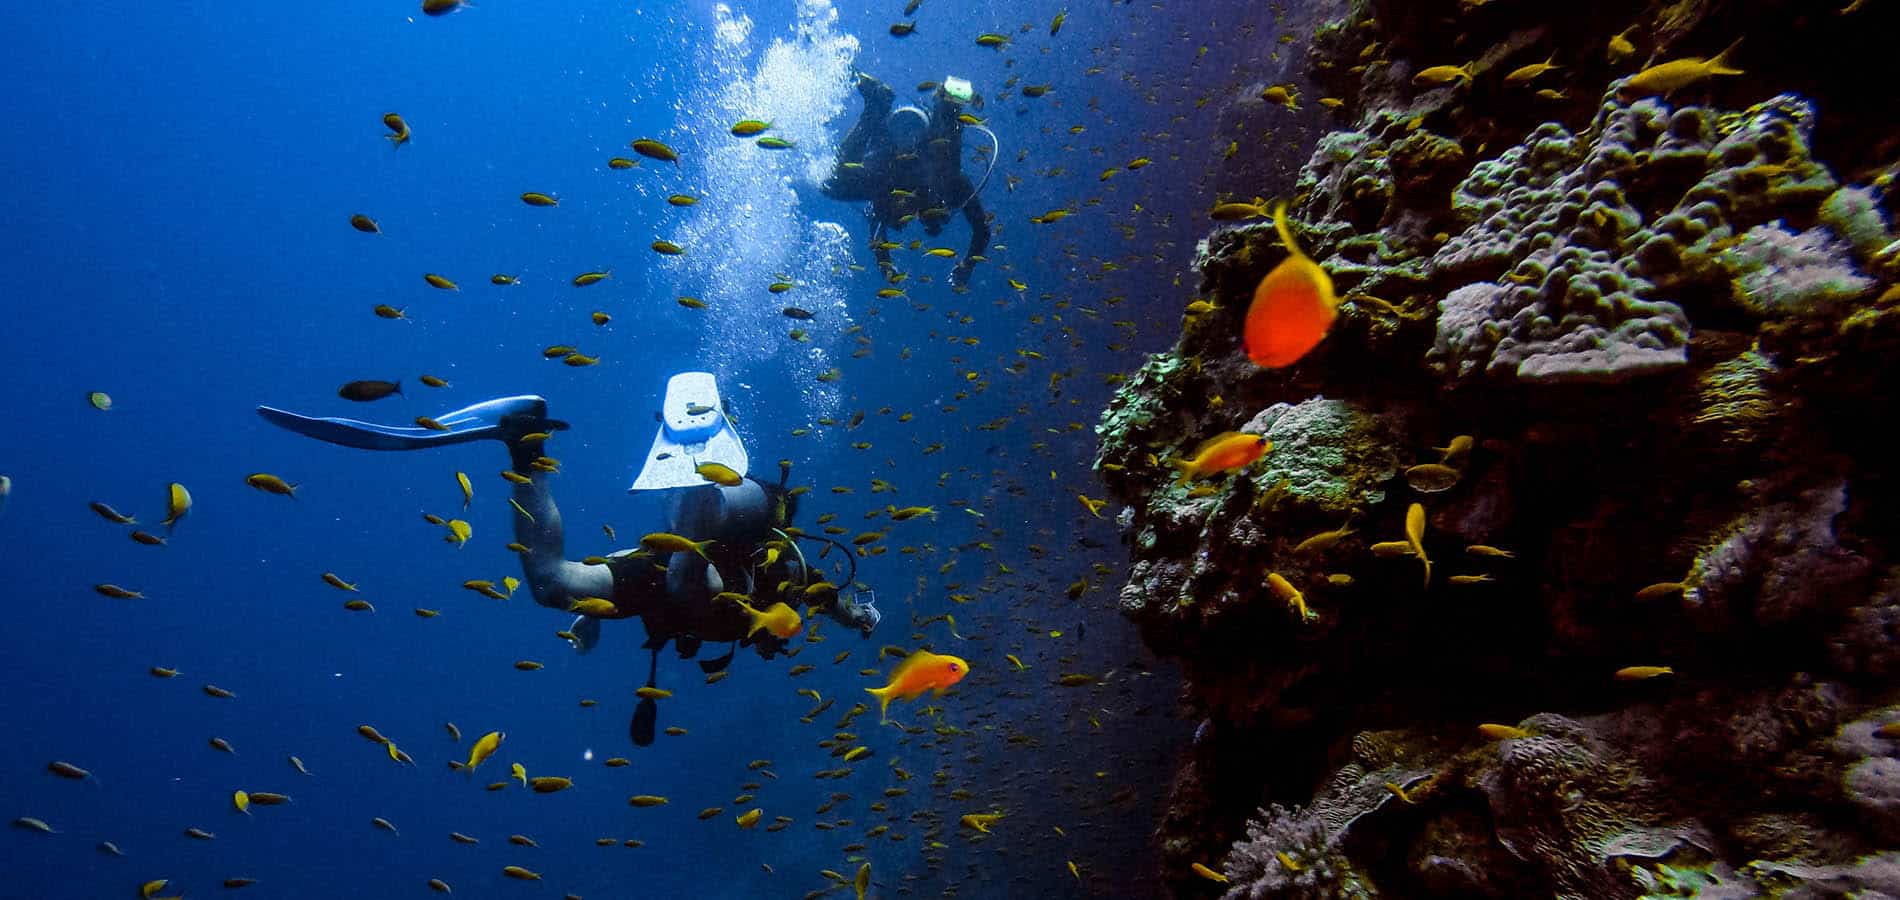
{"x": 931, "y": 175}
{"x": 641, "y": 589}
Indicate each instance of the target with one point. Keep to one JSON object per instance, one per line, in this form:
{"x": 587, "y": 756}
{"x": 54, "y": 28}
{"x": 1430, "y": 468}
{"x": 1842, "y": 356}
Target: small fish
{"x": 536, "y": 198}
{"x": 178, "y": 504}
{"x": 385, "y": 825}
{"x": 1431, "y": 478}
{"x": 749, "y": 818}
{"x": 106, "y": 512}
{"x": 271, "y": 484}
{"x": 519, "y": 873}
{"x": 399, "y": 130}
{"x": 749, "y": 127}
{"x": 1293, "y": 307}
{"x": 443, "y": 7}
{"x": 653, "y": 149}
{"x": 1221, "y": 453}
{"x": 1676, "y": 74}
{"x": 116, "y": 592}
{"x": 31, "y": 824}
{"x": 770, "y": 142}
{"x": 586, "y": 278}
{"x": 1492, "y": 731}
{"x": 992, "y": 40}
{"x": 665, "y": 542}
{"x": 439, "y": 282}
{"x": 433, "y": 381}
{"x": 483, "y": 749}
{"x": 1208, "y": 873}
{"x": 919, "y": 672}
{"x": 903, "y": 29}
{"x": 1660, "y": 590}
{"x": 1642, "y": 673}
{"x": 385, "y": 311}
{"x": 980, "y": 821}
{"x": 369, "y": 390}
{"x": 1524, "y": 74}
{"x": 364, "y": 224}
{"x": 667, "y": 248}
{"x": 621, "y": 162}
{"x": 549, "y": 784}
{"x": 1055, "y": 24}
{"x": 682, "y": 199}
{"x": 719, "y": 473}
{"x": 646, "y": 800}
{"x": 500, "y": 280}
{"x": 1437, "y": 76}
{"x": 1415, "y": 537}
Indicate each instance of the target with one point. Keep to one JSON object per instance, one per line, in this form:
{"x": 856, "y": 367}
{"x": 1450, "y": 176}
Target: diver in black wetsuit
{"x": 908, "y": 164}
{"x": 671, "y": 595}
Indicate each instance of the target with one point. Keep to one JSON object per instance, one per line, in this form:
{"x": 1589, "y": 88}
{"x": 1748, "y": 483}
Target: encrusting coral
{"x": 1610, "y": 374}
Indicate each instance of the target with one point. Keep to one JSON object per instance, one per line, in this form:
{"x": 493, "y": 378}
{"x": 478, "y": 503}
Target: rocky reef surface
{"x": 1666, "y": 327}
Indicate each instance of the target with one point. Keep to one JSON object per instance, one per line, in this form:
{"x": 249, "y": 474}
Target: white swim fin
{"x": 693, "y": 430}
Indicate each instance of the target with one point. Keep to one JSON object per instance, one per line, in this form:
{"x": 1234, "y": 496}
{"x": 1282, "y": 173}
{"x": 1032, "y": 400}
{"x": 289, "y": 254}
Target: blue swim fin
{"x": 500, "y": 419}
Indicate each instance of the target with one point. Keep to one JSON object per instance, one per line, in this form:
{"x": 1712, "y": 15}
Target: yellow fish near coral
{"x": 1676, "y": 74}
{"x": 1221, "y": 453}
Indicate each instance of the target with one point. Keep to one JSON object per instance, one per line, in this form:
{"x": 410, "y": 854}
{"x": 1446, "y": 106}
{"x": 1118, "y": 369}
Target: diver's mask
{"x": 907, "y": 126}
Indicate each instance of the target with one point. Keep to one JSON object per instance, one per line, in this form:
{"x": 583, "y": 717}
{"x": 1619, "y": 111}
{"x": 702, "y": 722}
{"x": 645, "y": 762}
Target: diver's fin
{"x": 484, "y": 420}
{"x": 719, "y": 664}
{"x": 693, "y": 430}
{"x": 646, "y": 716}
{"x": 586, "y": 632}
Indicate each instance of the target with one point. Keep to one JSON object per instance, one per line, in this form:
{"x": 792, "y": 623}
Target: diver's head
{"x": 907, "y": 125}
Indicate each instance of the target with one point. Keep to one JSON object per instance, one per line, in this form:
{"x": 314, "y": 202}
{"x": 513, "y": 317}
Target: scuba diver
{"x": 744, "y": 547}
{"x": 908, "y": 164}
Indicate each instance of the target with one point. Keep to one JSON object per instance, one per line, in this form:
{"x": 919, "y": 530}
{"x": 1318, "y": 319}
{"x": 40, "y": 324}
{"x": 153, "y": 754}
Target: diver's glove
{"x": 866, "y": 616}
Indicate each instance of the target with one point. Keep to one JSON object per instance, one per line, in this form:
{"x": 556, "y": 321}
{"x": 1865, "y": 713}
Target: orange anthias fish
{"x": 919, "y": 672}
{"x": 1221, "y": 453}
{"x": 1293, "y": 307}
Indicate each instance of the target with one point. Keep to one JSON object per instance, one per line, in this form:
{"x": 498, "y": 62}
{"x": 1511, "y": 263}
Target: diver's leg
{"x": 554, "y": 580}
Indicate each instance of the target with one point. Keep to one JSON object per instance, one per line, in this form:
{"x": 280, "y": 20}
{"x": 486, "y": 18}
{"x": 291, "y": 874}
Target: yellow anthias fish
{"x": 921, "y": 671}
{"x": 719, "y": 474}
{"x": 178, "y": 504}
{"x": 519, "y": 773}
{"x": 1221, "y": 453}
{"x": 483, "y": 749}
{"x": 468, "y": 490}
{"x": 1415, "y": 536}
{"x": 459, "y": 532}
{"x": 980, "y": 821}
{"x": 665, "y": 542}
{"x": 781, "y": 620}
{"x": 1676, "y": 74}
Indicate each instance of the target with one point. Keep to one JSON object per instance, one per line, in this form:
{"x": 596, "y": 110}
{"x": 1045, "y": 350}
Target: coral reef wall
{"x": 1630, "y": 350}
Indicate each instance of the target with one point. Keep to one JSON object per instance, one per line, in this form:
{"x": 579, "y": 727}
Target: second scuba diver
{"x": 908, "y": 163}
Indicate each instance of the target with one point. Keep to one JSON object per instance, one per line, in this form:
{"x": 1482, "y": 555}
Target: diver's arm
{"x": 555, "y": 580}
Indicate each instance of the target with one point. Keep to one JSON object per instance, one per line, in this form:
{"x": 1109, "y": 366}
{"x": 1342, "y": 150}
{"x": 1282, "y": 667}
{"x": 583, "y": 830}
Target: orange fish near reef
{"x": 919, "y": 672}
{"x": 1221, "y": 453}
{"x": 1293, "y": 307}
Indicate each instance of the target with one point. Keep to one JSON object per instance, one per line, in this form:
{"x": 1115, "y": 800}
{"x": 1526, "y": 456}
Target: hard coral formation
{"x": 1655, "y": 316}
{"x": 1584, "y": 245}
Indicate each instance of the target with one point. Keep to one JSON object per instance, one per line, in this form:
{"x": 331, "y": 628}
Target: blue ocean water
{"x": 182, "y": 178}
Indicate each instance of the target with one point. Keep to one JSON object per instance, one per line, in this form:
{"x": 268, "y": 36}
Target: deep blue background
{"x": 181, "y": 175}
